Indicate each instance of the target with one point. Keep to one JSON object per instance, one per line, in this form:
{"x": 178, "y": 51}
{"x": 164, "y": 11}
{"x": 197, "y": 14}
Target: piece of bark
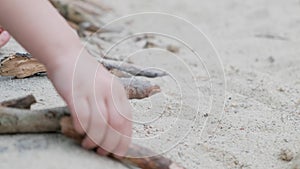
{"x": 139, "y": 89}
{"x": 14, "y": 121}
{"x": 21, "y": 103}
{"x": 21, "y": 66}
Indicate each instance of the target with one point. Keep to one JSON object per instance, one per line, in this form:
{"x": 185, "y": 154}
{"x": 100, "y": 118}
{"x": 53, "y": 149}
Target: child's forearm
{"x": 40, "y": 29}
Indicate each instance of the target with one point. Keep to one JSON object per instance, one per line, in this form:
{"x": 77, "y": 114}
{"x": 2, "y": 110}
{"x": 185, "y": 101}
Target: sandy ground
{"x": 258, "y": 43}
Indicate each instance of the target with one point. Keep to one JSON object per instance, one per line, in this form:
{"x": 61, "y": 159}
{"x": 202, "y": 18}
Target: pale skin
{"x": 99, "y": 106}
{"x": 4, "y": 37}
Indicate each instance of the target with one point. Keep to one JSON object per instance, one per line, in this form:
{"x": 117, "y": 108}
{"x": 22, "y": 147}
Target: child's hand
{"x": 98, "y": 103}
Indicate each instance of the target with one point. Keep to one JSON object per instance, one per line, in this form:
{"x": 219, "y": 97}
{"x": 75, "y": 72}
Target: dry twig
{"x": 132, "y": 69}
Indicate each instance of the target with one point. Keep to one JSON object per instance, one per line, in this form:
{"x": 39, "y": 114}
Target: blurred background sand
{"x": 258, "y": 43}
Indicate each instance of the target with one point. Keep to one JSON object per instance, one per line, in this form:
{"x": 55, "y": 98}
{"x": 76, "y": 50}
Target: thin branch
{"x": 15, "y": 120}
{"x": 132, "y": 69}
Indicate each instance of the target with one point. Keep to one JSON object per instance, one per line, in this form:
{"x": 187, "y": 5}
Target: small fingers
{"x": 97, "y": 128}
{"x": 124, "y": 144}
{"x": 112, "y": 137}
{"x": 81, "y": 115}
{"x": 119, "y": 131}
{"x": 125, "y": 130}
{"x": 111, "y": 141}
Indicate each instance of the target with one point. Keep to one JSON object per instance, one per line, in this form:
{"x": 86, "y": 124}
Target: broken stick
{"x": 14, "y": 121}
{"x": 132, "y": 69}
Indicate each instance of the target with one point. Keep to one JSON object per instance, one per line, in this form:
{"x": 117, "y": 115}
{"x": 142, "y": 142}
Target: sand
{"x": 258, "y": 45}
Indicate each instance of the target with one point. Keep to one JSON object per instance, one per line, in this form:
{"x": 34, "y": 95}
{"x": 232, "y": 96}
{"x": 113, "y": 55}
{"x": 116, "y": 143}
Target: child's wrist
{"x": 62, "y": 58}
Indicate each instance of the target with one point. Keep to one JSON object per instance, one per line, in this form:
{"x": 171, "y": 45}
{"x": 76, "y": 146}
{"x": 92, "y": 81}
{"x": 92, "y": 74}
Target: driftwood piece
{"x": 22, "y": 65}
{"x": 21, "y": 103}
{"x": 132, "y": 69}
{"x": 14, "y": 121}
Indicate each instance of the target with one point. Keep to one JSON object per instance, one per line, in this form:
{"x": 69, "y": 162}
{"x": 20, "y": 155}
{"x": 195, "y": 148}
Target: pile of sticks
{"x": 16, "y": 117}
{"x": 22, "y": 65}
